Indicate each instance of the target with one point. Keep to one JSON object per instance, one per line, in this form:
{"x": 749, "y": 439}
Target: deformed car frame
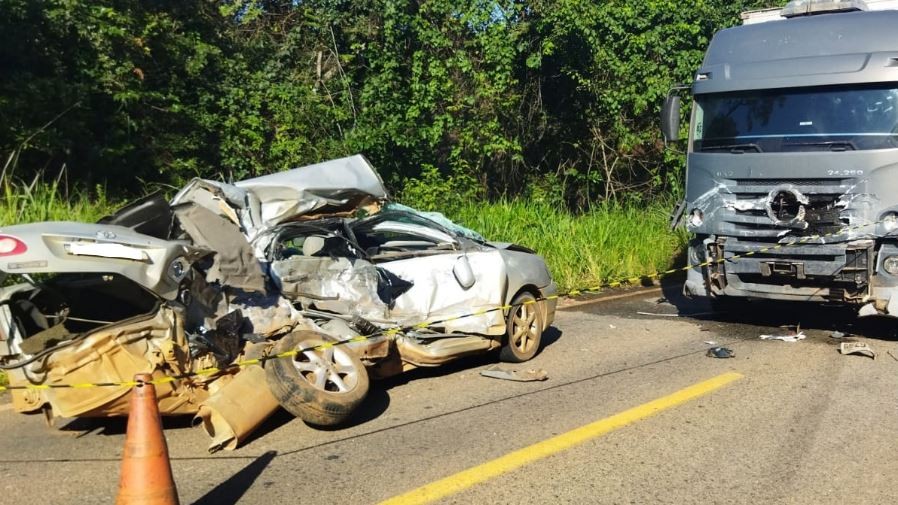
{"x": 226, "y": 273}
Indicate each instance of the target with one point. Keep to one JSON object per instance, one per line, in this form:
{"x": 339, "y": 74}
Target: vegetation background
{"x": 532, "y": 121}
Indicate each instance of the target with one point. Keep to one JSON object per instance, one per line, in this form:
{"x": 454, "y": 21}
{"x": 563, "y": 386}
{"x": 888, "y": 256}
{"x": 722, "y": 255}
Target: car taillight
{"x": 10, "y": 246}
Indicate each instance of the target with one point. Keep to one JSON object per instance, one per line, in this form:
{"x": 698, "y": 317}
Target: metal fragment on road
{"x": 785, "y": 338}
{"x": 857, "y": 348}
{"x": 497, "y": 372}
{"x": 720, "y": 352}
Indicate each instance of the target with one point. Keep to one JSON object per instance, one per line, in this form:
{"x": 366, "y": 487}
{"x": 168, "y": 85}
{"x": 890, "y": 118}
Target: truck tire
{"x": 321, "y": 387}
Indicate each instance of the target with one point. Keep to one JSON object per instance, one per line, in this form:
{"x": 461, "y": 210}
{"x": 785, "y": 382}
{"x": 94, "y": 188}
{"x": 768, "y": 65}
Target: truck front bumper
{"x": 842, "y": 272}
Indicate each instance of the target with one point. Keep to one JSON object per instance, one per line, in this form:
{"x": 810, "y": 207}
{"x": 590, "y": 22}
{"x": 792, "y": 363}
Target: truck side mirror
{"x": 670, "y": 118}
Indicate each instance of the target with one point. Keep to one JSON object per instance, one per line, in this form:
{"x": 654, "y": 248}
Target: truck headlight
{"x": 891, "y": 265}
{"x": 890, "y": 221}
{"x": 696, "y": 218}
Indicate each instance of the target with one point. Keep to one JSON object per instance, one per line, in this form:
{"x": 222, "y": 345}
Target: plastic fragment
{"x": 720, "y": 352}
{"x": 785, "y": 338}
{"x": 857, "y": 348}
{"x": 496, "y": 372}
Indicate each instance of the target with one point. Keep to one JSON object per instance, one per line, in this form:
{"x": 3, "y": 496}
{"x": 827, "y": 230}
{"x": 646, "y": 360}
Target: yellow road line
{"x": 512, "y": 461}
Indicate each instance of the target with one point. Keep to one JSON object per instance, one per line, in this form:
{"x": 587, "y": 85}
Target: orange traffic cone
{"x": 146, "y": 470}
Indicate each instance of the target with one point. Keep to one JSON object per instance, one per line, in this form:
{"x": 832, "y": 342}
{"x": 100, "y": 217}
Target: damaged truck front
{"x": 792, "y": 164}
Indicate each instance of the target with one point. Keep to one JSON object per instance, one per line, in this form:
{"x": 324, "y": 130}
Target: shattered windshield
{"x": 401, "y": 230}
{"x": 804, "y": 119}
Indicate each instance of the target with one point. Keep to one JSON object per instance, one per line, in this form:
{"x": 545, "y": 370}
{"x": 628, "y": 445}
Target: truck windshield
{"x": 800, "y": 119}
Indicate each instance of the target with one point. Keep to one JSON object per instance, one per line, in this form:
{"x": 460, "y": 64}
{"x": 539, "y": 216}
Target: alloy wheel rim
{"x": 328, "y": 369}
{"x": 525, "y": 328}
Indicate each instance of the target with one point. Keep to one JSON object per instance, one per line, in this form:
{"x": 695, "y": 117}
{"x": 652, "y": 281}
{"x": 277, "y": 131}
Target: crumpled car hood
{"x": 258, "y": 204}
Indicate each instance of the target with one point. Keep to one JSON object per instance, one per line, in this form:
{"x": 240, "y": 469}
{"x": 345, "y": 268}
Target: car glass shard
{"x": 438, "y": 218}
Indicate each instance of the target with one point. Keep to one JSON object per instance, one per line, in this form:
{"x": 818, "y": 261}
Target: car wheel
{"x": 523, "y": 329}
{"x": 321, "y": 387}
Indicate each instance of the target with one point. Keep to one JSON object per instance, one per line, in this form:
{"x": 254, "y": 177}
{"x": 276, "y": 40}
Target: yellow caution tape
{"x": 396, "y": 330}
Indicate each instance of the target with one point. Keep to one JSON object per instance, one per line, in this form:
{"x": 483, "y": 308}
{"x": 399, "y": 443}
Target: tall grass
{"x": 43, "y": 200}
{"x": 609, "y": 243}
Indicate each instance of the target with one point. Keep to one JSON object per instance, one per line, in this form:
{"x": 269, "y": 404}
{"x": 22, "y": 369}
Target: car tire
{"x": 523, "y": 329}
{"x": 321, "y": 387}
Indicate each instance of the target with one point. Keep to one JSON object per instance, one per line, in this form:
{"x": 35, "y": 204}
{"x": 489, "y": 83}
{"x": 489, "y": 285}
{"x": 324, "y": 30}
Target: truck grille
{"x": 822, "y": 213}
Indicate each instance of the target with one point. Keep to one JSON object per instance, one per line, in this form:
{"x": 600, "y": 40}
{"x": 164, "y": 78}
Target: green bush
{"x": 608, "y": 243}
{"x": 433, "y": 191}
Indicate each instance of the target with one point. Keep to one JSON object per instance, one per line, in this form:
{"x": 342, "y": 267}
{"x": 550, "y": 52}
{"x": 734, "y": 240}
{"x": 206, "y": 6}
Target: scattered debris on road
{"x": 710, "y": 342}
{"x": 720, "y": 352}
{"x": 838, "y": 334}
{"x": 497, "y": 372}
{"x": 656, "y": 314}
{"x": 861, "y": 348}
{"x": 785, "y": 338}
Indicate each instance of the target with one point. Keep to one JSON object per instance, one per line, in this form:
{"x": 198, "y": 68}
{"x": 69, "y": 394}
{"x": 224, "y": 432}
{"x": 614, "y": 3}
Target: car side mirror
{"x": 464, "y": 275}
{"x": 670, "y": 118}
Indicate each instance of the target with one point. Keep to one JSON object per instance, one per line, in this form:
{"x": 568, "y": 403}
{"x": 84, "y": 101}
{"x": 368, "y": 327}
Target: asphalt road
{"x": 803, "y": 424}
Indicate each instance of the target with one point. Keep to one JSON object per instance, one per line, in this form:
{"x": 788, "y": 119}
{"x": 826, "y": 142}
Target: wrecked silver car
{"x": 205, "y": 291}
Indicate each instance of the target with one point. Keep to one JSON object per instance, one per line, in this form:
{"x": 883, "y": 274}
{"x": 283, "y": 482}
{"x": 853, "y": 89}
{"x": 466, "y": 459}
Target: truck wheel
{"x": 523, "y": 329}
{"x": 321, "y": 387}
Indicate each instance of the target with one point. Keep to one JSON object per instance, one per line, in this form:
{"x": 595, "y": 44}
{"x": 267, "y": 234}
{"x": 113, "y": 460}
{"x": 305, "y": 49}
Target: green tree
{"x": 547, "y": 99}
{"x": 109, "y": 89}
